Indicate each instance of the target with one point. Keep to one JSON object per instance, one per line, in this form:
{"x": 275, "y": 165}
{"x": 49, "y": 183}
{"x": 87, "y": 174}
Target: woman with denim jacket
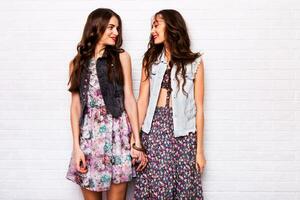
{"x": 170, "y": 108}
{"x": 103, "y": 111}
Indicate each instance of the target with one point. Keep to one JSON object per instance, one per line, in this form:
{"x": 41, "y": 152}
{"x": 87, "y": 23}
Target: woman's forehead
{"x": 114, "y": 20}
{"x": 157, "y": 19}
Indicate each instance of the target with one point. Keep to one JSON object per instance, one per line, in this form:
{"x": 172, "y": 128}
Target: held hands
{"x": 79, "y": 159}
{"x": 200, "y": 162}
{"x": 139, "y": 157}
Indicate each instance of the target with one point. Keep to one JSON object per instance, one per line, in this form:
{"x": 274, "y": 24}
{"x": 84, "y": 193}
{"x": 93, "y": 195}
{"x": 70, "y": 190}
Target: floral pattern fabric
{"x": 105, "y": 142}
{"x": 171, "y": 170}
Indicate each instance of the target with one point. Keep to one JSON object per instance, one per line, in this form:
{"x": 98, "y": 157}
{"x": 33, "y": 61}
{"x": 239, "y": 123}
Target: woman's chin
{"x": 110, "y": 44}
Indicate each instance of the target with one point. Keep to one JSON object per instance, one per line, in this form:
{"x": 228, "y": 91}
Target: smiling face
{"x": 158, "y": 30}
{"x": 111, "y": 32}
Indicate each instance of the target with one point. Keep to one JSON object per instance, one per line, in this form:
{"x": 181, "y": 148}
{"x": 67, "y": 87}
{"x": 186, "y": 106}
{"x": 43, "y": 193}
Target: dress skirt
{"x": 171, "y": 172}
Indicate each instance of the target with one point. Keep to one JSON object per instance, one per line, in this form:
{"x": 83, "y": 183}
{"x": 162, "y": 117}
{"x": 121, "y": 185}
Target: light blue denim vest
{"x": 184, "y": 108}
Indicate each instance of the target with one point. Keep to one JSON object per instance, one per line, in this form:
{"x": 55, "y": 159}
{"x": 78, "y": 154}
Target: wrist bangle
{"x": 138, "y": 148}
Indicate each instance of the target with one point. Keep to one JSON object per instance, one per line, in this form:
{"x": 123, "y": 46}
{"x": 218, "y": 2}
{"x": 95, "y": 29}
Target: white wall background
{"x": 252, "y": 102}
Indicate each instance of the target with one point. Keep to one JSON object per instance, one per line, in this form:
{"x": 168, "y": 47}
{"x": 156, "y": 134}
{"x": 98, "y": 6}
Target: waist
{"x": 163, "y": 107}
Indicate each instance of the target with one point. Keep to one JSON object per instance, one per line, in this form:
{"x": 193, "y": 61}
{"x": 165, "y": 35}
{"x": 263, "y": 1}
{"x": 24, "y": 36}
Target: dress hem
{"x": 93, "y": 190}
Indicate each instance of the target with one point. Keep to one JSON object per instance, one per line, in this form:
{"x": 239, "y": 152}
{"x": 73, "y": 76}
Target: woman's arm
{"x": 129, "y": 99}
{"x": 74, "y": 116}
{"x": 199, "y": 98}
{"x": 143, "y": 99}
{"x": 131, "y": 109}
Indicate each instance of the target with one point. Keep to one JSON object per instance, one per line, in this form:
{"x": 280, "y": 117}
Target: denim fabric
{"x": 112, "y": 92}
{"x": 184, "y": 108}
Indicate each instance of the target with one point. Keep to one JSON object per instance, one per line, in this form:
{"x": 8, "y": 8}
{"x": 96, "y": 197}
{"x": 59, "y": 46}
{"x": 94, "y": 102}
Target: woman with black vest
{"x": 103, "y": 111}
{"x": 170, "y": 109}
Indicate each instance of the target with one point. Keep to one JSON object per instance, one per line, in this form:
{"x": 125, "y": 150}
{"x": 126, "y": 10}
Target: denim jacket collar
{"x": 162, "y": 57}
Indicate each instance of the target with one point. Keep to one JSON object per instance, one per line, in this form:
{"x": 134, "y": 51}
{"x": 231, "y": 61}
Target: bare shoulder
{"x": 124, "y": 56}
{"x": 125, "y": 61}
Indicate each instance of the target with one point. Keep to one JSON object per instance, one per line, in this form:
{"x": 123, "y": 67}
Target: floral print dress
{"x": 171, "y": 170}
{"x": 105, "y": 142}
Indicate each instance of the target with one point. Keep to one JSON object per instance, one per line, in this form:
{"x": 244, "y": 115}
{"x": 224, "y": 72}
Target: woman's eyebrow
{"x": 155, "y": 22}
{"x": 112, "y": 25}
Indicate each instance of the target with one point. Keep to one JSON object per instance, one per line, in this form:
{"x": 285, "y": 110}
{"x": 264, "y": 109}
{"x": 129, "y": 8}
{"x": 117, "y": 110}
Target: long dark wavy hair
{"x": 94, "y": 28}
{"x": 178, "y": 41}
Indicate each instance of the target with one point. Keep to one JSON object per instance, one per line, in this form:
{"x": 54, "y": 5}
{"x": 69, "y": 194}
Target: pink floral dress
{"x": 105, "y": 142}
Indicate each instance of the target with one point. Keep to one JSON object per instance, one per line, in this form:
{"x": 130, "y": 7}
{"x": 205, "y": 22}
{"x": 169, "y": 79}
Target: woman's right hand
{"x": 79, "y": 159}
{"x": 139, "y": 159}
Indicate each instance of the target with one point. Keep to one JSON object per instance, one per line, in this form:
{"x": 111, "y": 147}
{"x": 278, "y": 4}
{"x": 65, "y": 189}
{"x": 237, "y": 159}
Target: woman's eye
{"x": 154, "y": 25}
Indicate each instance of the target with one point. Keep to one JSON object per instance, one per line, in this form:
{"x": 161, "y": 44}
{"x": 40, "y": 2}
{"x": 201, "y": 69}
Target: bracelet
{"x": 138, "y": 148}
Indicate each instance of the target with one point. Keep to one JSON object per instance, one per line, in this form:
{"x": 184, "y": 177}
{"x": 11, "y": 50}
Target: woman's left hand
{"x": 200, "y": 162}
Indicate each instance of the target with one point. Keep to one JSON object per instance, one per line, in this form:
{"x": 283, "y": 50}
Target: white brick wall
{"x": 252, "y": 92}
